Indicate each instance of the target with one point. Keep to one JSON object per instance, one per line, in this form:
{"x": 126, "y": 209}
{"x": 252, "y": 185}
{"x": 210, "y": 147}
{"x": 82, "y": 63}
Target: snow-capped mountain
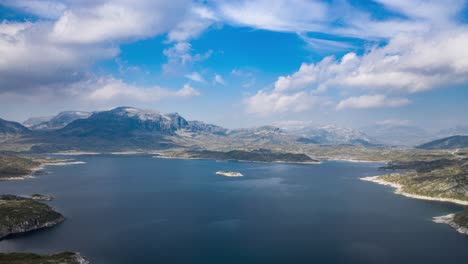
{"x": 55, "y": 122}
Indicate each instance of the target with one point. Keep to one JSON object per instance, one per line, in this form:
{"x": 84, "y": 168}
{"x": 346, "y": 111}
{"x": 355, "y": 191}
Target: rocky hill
{"x": 453, "y": 142}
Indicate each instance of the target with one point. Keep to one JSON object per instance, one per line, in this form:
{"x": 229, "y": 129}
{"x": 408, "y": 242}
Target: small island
{"x": 229, "y": 173}
{"x": 20, "y": 215}
{"x": 29, "y": 258}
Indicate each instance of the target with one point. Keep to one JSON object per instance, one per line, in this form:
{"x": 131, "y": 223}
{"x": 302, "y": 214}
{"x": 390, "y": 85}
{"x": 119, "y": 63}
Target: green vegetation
{"x": 461, "y": 219}
{"x": 20, "y": 215}
{"x": 441, "y": 177}
{"x": 16, "y": 166}
{"x": 29, "y": 258}
{"x": 259, "y": 155}
{"x": 444, "y": 178}
{"x": 447, "y": 143}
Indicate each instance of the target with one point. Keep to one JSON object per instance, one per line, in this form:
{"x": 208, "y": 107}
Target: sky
{"x": 239, "y": 63}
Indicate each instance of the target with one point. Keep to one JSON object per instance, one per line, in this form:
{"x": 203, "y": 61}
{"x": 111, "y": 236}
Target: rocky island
{"x": 29, "y": 258}
{"x": 20, "y": 215}
{"x": 229, "y": 173}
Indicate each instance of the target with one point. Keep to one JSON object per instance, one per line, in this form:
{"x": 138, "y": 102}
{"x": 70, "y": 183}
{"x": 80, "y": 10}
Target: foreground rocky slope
{"x": 20, "y": 215}
{"x": 12, "y": 166}
{"x": 440, "y": 179}
{"x": 452, "y": 142}
{"x": 29, "y": 258}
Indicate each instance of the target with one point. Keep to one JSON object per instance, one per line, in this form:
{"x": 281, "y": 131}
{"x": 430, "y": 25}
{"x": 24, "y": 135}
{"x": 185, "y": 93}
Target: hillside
{"x": 55, "y": 122}
{"x": 453, "y": 142}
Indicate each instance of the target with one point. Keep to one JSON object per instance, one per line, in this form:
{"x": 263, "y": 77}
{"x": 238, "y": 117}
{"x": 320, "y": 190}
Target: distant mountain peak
{"x": 55, "y": 122}
{"x": 452, "y": 142}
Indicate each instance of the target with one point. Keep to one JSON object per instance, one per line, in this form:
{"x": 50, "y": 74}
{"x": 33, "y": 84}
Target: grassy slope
{"x": 22, "y": 215}
{"x": 16, "y": 166}
{"x": 445, "y": 177}
{"x": 28, "y": 258}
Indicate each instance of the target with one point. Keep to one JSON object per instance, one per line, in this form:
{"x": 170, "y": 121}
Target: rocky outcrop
{"x": 453, "y": 221}
{"x": 20, "y": 215}
{"x": 60, "y": 258}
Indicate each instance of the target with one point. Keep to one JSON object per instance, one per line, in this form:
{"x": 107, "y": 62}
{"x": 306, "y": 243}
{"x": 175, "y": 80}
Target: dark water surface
{"x": 138, "y": 209}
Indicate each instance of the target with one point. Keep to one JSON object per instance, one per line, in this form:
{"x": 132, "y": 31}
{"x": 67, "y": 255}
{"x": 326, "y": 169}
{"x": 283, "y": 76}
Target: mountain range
{"x": 128, "y": 128}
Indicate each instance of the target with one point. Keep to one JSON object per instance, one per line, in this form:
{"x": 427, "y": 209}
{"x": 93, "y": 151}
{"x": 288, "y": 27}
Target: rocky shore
{"x": 229, "y": 173}
{"x": 20, "y": 215}
{"x": 29, "y": 258}
{"x": 399, "y": 189}
{"x": 450, "y": 220}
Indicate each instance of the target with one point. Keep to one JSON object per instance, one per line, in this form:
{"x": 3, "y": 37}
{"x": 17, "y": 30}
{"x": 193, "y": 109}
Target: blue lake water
{"x": 138, "y": 209}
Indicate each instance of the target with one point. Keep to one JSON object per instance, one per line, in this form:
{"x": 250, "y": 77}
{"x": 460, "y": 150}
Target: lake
{"x": 139, "y": 209}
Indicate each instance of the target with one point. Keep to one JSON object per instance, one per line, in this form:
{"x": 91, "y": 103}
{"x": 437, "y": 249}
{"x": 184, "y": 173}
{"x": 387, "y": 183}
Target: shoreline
{"x": 251, "y": 161}
{"x": 41, "y": 167}
{"x": 358, "y": 160}
{"x": 448, "y": 220}
{"x": 399, "y": 190}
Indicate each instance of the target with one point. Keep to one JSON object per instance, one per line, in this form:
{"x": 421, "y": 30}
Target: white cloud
{"x": 371, "y": 101}
{"x": 265, "y": 103}
{"x": 110, "y": 89}
{"x": 117, "y": 20}
{"x": 292, "y": 15}
{"x": 195, "y": 76}
{"x": 198, "y": 19}
{"x": 58, "y": 48}
{"x": 29, "y": 59}
{"x": 180, "y": 55}
{"x": 219, "y": 79}
{"x": 408, "y": 63}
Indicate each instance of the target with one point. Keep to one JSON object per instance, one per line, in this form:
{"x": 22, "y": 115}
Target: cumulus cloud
{"x": 59, "y": 48}
{"x": 111, "y": 89}
{"x": 264, "y": 103}
{"x": 371, "y": 101}
{"x": 28, "y": 58}
{"x": 407, "y": 64}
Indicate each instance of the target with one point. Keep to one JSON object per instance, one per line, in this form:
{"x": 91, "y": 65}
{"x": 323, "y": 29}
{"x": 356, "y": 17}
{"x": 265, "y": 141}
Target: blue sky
{"x": 239, "y": 63}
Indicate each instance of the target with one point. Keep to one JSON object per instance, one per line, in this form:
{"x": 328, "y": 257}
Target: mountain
{"x": 55, "y": 122}
{"x": 124, "y": 121}
{"x": 331, "y": 135}
{"x": 35, "y": 121}
{"x": 9, "y": 129}
{"x": 201, "y": 127}
{"x": 129, "y": 128}
{"x": 446, "y": 143}
{"x": 459, "y": 130}
{"x": 397, "y": 135}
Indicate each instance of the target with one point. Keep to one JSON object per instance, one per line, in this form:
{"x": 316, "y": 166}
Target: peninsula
{"x": 20, "y": 215}
{"x": 441, "y": 179}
